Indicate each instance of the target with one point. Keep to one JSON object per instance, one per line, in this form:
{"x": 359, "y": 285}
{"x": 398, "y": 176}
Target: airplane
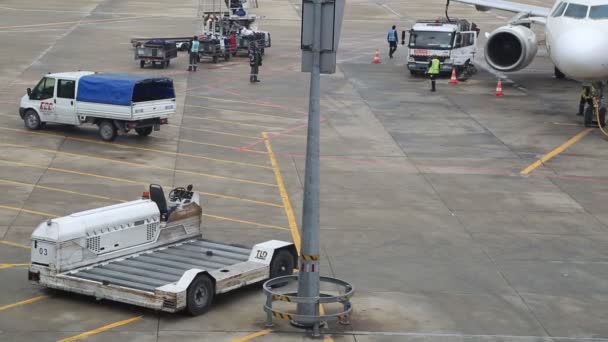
{"x": 576, "y": 35}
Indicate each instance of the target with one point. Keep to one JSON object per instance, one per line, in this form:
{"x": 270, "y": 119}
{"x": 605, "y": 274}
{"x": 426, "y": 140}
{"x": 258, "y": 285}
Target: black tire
{"x": 32, "y": 120}
{"x": 589, "y": 115}
{"x": 144, "y": 131}
{"x": 282, "y": 264}
{"x": 142, "y": 63}
{"x": 107, "y": 131}
{"x": 200, "y": 295}
{"x": 559, "y": 75}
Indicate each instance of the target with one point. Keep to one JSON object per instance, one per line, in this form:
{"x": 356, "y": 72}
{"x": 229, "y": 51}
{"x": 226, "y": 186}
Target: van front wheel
{"x": 107, "y": 131}
{"x": 32, "y": 120}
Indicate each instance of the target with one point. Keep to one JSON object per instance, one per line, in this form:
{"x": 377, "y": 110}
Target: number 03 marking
{"x": 43, "y": 251}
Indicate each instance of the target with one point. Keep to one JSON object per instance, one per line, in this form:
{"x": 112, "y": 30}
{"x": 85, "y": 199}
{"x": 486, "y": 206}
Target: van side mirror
{"x": 29, "y": 92}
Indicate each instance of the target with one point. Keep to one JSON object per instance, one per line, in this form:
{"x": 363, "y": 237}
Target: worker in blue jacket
{"x": 193, "y": 54}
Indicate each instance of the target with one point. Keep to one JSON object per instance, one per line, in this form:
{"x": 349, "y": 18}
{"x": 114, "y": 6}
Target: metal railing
{"x": 272, "y": 291}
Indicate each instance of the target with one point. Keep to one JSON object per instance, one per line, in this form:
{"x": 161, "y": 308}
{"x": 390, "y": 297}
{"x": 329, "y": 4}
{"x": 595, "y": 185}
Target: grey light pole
{"x": 308, "y": 281}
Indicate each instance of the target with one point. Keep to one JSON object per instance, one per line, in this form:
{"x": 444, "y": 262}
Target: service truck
{"x": 450, "y": 40}
{"x": 150, "y": 252}
{"x": 116, "y": 103}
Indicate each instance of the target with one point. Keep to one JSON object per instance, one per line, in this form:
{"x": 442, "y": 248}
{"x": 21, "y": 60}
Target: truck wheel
{"x": 107, "y": 131}
{"x": 282, "y": 264}
{"x": 200, "y": 295}
{"x": 32, "y": 120}
{"x": 142, "y": 63}
{"x": 144, "y": 131}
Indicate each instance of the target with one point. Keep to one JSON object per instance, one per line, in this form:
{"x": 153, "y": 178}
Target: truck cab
{"x": 451, "y": 41}
{"x": 53, "y": 99}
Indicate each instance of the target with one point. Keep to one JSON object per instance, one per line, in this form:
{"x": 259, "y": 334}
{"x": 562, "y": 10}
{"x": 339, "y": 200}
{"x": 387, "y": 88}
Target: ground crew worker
{"x": 586, "y": 97}
{"x": 255, "y": 61}
{"x": 433, "y": 70}
{"x": 393, "y": 39}
{"x": 193, "y": 54}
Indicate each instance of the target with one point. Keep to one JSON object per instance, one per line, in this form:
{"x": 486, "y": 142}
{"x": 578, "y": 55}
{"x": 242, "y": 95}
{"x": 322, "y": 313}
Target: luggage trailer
{"x": 150, "y": 254}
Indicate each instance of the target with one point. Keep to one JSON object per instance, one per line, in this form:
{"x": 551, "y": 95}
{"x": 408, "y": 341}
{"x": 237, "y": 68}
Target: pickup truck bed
{"x": 152, "y": 269}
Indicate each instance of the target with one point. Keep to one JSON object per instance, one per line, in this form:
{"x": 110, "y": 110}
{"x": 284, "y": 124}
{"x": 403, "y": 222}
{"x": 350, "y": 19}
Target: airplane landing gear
{"x": 595, "y": 114}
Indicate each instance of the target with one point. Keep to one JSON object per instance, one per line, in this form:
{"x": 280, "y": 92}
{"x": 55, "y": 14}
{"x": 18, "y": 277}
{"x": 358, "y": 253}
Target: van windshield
{"x": 430, "y": 40}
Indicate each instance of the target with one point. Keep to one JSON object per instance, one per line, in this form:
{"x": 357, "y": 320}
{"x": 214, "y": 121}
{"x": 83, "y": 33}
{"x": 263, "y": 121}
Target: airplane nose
{"x": 582, "y": 54}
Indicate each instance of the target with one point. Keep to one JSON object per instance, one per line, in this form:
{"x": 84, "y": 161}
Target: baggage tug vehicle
{"x": 151, "y": 253}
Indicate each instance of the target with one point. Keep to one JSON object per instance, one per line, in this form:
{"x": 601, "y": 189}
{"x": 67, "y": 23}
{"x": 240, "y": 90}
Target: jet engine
{"x": 511, "y": 48}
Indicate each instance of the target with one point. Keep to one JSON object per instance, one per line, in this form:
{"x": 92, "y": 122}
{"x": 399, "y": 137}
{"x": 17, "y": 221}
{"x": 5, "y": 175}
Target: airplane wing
{"x": 486, "y": 5}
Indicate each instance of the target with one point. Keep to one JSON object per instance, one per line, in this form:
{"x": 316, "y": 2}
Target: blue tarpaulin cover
{"x": 123, "y": 89}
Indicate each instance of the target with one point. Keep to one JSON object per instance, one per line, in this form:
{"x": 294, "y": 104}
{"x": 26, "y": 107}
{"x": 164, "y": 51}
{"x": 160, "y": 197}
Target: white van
{"x": 116, "y": 103}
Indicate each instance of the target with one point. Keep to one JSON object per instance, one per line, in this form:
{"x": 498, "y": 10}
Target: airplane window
{"x": 559, "y": 10}
{"x": 576, "y": 11}
{"x": 599, "y": 12}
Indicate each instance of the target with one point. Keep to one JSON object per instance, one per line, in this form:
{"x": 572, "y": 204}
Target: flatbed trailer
{"x": 156, "y": 52}
{"x": 151, "y": 255}
{"x": 135, "y": 42}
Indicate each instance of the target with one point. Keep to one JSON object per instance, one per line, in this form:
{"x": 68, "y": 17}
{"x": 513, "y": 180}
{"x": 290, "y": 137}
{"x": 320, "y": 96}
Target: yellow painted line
{"x": 23, "y": 302}
{"x": 201, "y": 174}
{"x": 103, "y": 142}
{"x": 328, "y": 339}
{"x": 245, "y": 222}
{"x": 252, "y": 336}
{"x": 215, "y": 145}
{"x": 58, "y": 190}
{"x": 123, "y": 180}
{"x": 245, "y": 124}
{"x": 561, "y": 148}
{"x": 74, "y": 22}
{"x": 247, "y": 113}
{"x": 101, "y": 329}
{"x": 119, "y": 200}
{"x": 169, "y": 152}
{"x": 14, "y": 244}
{"x": 291, "y": 218}
{"x": 214, "y": 132}
{"x": 235, "y": 101}
{"x": 229, "y": 122}
{"x": 39, "y": 213}
{"x": 3, "y": 266}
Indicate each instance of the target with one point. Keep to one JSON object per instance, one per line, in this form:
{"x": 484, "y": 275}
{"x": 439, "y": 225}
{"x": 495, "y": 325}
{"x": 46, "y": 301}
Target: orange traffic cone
{"x": 376, "y": 57}
{"x": 499, "y": 88}
{"x": 453, "y": 79}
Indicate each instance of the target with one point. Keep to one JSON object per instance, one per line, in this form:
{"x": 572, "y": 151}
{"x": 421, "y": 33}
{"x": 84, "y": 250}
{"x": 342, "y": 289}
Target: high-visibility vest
{"x": 588, "y": 94}
{"x": 434, "y": 68}
{"x": 194, "y": 47}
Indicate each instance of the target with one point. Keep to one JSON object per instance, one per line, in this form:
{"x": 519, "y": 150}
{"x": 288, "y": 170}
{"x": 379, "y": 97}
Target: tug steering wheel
{"x": 177, "y": 194}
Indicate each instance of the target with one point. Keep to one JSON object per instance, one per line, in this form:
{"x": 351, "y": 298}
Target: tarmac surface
{"x": 424, "y": 205}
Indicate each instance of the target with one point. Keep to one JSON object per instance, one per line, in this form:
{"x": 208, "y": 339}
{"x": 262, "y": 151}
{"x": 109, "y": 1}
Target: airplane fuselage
{"x": 577, "y": 38}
